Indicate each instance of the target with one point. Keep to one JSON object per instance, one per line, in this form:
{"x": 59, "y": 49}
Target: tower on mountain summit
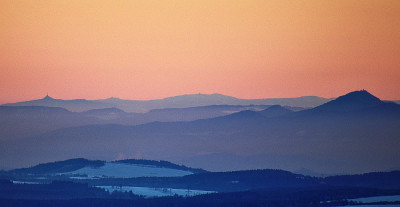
{"x": 47, "y": 96}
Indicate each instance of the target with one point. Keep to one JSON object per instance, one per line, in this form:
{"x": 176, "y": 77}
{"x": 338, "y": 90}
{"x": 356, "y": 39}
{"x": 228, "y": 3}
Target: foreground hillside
{"x": 164, "y": 174}
{"x": 83, "y": 195}
{"x": 94, "y": 169}
{"x": 69, "y": 182}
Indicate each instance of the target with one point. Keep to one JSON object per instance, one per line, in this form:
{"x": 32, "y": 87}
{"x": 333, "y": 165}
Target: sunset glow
{"x": 155, "y": 49}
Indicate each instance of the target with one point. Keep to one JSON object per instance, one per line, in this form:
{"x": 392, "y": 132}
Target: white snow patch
{"x": 394, "y": 205}
{"x": 377, "y": 199}
{"x": 230, "y": 112}
{"x": 83, "y": 178}
{"x": 24, "y": 182}
{"x": 124, "y": 170}
{"x": 155, "y": 192}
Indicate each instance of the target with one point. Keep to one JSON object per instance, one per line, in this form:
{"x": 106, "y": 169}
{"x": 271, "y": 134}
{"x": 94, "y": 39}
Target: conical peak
{"x": 47, "y": 97}
{"x": 352, "y": 101}
{"x": 361, "y": 96}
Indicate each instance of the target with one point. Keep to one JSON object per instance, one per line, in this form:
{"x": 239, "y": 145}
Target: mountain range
{"x": 354, "y": 133}
{"x": 183, "y": 101}
{"x": 21, "y": 121}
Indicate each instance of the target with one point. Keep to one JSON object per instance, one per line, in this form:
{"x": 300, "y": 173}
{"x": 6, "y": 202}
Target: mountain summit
{"x": 47, "y": 98}
{"x": 352, "y": 101}
{"x": 275, "y": 111}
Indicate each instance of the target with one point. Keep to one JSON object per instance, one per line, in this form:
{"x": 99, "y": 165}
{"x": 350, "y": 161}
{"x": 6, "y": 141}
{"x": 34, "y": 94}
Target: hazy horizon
{"x": 141, "y": 50}
{"x": 178, "y": 95}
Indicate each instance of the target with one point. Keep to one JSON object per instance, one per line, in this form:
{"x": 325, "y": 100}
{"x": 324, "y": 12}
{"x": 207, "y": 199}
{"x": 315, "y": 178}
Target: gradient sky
{"x": 154, "y": 49}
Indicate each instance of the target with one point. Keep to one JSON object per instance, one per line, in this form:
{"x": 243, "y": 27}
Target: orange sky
{"x": 154, "y": 49}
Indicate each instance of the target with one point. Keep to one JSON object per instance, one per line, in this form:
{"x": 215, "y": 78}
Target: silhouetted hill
{"x": 21, "y": 121}
{"x": 357, "y": 104}
{"x": 275, "y": 111}
{"x": 29, "y": 110}
{"x": 71, "y": 105}
{"x": 112, "y": 110}
{"x": 199, "y": 112}
{"x": 356, "y": 100}
{"x": 60, "y": 166}
{"x": 83, "y": 169}
{"x": 388, "y": 180}
{"x": 242, "y": 115}
{"x": 109, "y": 115}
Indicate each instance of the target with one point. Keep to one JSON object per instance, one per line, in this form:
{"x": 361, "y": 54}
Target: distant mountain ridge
{"x": 275, "y": 111}
{"x": 183, "y": 101}
{"x": 38, "y": 116}
{"x": 71, "y": 105}
{"x": 21, "y": 121}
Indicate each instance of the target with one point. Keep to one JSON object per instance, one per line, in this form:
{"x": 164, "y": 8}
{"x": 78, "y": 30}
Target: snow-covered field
{"x": 395, "y": 205}
{"x": 123, "y": 170}
{"x": 377, "y": 199}
{"x": 155, "y": 192}
{"x": 23, "y": 182}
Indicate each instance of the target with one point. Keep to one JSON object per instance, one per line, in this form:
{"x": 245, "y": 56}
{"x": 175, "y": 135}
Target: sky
{"x": 145, "y": 49}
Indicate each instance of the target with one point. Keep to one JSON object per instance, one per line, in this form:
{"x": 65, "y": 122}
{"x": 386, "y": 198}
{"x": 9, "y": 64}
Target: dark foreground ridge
{"x": 258, "y": 188}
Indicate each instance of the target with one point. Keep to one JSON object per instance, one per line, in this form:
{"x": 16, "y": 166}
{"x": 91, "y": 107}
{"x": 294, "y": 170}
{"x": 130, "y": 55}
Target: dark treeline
{"x": 78, "y": 163}
{"x": 233, "y": 181}
{"x": 217, "y": 181}
{"x": 56, "y": 190}
{"x": 374, "y": 179}
{"x": 327, "y": 196}
{"x": 161, "y": 163}
{"x": 255, "y": 179}
{"x": 59, "y": 166}
{"x": 238, "y": 188}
